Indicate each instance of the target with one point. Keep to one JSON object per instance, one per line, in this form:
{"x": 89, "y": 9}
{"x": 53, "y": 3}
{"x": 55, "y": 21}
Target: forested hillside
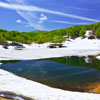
{"x": 48, "y": 36}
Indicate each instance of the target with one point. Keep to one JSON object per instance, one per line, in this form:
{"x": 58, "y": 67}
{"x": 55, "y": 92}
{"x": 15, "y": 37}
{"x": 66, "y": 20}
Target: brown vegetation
{"x": 54, "y": 45}
{"x": 16, "y": 44}
{"x": 94, "y": 88}
{"x": 91, "y": 37}
{"x": 2, "y": 98}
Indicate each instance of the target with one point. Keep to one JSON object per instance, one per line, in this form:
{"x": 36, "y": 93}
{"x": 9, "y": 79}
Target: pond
{"x": 69, "y": 73}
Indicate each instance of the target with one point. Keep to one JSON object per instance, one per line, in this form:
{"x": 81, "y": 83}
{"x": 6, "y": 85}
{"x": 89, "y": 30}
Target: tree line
{"x": 48, "y": 36}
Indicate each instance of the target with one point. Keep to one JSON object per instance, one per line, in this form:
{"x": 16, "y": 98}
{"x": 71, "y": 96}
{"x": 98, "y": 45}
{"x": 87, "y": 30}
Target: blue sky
{"x": 29, "y": 15}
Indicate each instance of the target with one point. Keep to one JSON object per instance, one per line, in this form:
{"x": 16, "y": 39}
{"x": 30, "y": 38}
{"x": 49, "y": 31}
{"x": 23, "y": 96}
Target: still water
{"x": 71, "y": 73}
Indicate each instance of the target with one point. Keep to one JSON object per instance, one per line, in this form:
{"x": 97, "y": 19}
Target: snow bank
{"x": 77, "y": 47}
{"x": 39, "y": 53}
{"x": 37, "y": 91}
{"x": 98, "y": 57}
{"x": 33, "y": 45}
{"x": 28, "y": 88}
{"x": 1, "y": 48}
{"x": 84, "y": 44}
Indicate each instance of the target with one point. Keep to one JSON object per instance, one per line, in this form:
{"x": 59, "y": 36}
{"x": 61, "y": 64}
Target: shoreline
{"x": 35, "y": 54}
{"x": 21, "y": 86}
{"x": 74, "y": 47}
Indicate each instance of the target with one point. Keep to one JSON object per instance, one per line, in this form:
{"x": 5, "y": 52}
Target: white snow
{"x": 28, "y": 54}
{"x": 88, "y": 33}
{"x": 1, "y": 48}
{"x": 84, "y": 44}
{"x": 22, "y": 86}
{"x": 37, "y": 91}
{"x": 98, "y": 57}
{"x": 77, "y": 47}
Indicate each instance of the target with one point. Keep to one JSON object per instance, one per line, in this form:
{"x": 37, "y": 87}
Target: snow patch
{"x": 98, "y": 57}
{"x": 74, "y": 47}
{"x": 37, "y": 91}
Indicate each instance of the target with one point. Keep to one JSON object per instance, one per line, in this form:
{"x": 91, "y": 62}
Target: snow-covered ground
{"x": 98, "y": 57}
{"x": 37, "y": 91}
{"x": 77, "y": 47}
{"x": 28, "y": 88}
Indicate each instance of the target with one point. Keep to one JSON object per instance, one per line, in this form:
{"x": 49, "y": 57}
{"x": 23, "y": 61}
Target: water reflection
{"x": 65, "y": 72}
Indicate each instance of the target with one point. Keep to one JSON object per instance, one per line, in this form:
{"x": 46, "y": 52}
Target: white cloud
{"x": 16, "y": 1}
{"x": 18, "y": 21}
{"x": 31, "y": 19}
{"x": 42, "y": 15}
{"x": 72, "y": 7}
{"x": 42, "y": 18}
{"x": 77, "y": 8}
{"x": 71, "y": 23}
{"x": 38, "y": 9}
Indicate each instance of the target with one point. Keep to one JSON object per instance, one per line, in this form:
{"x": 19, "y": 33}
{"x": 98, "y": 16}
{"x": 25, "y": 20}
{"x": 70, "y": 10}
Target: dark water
{"x": 66, "y": 72}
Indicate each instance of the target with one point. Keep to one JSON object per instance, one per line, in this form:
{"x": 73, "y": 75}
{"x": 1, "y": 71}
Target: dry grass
{"x": 97, "y": 55}
{"x": 94, "y": 88}
{"x": 1, "y": 98}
